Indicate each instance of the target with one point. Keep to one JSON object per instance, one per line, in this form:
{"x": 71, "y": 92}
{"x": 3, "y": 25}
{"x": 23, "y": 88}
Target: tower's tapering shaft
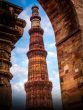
{"x": 38, "y": 87}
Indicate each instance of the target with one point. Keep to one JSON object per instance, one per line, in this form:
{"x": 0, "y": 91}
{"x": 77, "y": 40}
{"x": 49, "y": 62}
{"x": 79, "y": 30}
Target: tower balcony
{"x": 35, "y": 17}
{"x": 36, "y": 30}
{"x": 35, "y": 52}
{"x": 43, "y": 84}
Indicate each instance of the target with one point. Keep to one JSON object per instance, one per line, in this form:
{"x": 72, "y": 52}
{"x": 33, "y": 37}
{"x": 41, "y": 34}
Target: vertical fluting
{"x": 38, "y": 87}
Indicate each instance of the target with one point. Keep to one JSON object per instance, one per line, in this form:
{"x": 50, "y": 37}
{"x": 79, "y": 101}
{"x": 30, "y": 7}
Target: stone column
{"x": 11, "y": 29}
{"x": 5, "y": 75}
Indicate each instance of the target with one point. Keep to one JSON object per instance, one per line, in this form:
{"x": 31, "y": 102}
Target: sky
{"x": 19, "y": 58}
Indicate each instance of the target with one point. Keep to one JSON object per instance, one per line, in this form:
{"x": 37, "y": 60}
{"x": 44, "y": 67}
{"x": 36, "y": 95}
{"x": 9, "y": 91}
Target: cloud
{"x": 13, "y": 58}
{"x": 54, "y": 77}
{"x": 19, "y": 87}
{"x": 56, "y": 93}
{"x": 48, "y": 30}
{"x": 18, "y": 70}
{"x": 22, "y": 50}
{"x": 20, "y": 78}
{"x": 52, "y": 54}
{"x": 19, "y": 95}
{"x": 50, "y": 45}
{"x": 25, "y": 14}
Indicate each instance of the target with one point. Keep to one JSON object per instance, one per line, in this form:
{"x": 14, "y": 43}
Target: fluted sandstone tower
{"x": 38, "y": 87}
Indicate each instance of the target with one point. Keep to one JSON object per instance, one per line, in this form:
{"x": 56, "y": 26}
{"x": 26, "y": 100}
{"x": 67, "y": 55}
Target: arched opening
{"x": 21, "y": 50}
{"x": 69, "y": 44}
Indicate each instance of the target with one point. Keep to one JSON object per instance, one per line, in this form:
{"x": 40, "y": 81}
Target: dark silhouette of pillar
{"x": 11, "y": 29}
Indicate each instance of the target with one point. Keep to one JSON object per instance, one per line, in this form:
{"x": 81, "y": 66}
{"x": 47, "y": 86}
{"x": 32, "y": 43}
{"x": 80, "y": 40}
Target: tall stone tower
{"x": 38, "y": 87}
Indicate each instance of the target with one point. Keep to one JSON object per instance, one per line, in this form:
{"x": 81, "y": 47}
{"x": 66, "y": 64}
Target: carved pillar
{"x": 11, "y": 29}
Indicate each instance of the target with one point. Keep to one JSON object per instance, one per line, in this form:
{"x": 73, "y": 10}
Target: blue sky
{"x": 19, "y": 59}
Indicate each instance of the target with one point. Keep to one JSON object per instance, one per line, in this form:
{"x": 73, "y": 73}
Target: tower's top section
{"x": 35, "y": 18}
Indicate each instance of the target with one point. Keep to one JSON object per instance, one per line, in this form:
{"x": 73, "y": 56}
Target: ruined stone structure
{"x": 38, "y": 87}
{"x": 66, "y": 17}
{"x": 11, "y": 29}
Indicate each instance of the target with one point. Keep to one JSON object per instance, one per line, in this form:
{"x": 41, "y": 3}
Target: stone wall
{"x": 66, "y": 18}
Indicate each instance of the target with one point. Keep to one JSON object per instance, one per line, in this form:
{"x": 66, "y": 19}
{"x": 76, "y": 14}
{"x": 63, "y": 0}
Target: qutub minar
{"x": 38, "y": 87}
{"x": 66, "y": 17}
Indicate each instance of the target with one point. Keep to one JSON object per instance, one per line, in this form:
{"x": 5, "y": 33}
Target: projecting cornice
{"x": 36, "y": 30}
{"x": 11, "y": 27}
